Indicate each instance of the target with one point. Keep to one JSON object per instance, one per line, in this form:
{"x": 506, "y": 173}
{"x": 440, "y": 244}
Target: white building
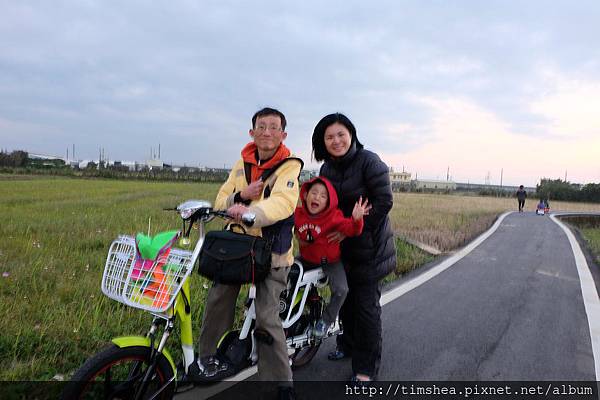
{"x": 423, "y": 184}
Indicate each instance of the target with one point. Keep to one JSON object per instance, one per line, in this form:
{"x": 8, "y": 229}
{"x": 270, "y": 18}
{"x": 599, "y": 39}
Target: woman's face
{"x": 337, "y": 140}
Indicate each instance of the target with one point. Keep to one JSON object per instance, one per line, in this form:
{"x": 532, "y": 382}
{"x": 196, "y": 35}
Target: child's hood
{"x": 333, "y": 199}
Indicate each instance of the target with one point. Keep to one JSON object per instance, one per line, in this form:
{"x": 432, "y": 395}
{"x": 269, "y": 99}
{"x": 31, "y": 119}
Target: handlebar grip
{"x": 248, "y": 219}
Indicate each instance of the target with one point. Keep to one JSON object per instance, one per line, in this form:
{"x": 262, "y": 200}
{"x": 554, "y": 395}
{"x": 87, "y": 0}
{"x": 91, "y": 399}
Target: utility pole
{"x": 448, "y": 174}
{"x": 73, "y": 151}
{"x": 159, "y": 151}
{"x": 501, "y": 176}
{"x": 565, "y": 176}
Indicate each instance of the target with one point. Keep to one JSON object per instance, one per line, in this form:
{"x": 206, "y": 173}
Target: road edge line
{"x": 588, "y": 293}
{"x": 420, "y": 279}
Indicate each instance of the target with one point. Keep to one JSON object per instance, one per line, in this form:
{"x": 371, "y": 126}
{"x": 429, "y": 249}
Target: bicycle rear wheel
{"x": 305, "y": 354}
{"x": 117, "y": 373}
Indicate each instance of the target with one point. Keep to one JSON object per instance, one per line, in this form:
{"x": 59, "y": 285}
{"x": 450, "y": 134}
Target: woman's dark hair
{"x": 318, "y": 138}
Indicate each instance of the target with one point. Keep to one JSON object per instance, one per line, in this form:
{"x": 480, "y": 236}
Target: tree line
{"x": 557, "y": 189}
{"x": 18, "y": 162}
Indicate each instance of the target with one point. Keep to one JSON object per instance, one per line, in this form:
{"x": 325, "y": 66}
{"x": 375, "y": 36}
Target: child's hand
{"x": 361, "y": 209}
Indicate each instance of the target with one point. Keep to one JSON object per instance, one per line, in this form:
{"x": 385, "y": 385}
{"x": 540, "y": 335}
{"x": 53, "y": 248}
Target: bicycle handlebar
{"x": 192, "y": 207}
{"x": 247, "y": 218}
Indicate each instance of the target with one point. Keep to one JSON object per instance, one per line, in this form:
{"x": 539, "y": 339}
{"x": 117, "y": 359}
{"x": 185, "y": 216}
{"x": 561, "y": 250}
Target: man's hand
{"x": 236, "y": 211}
{"x": 253, "y": 190}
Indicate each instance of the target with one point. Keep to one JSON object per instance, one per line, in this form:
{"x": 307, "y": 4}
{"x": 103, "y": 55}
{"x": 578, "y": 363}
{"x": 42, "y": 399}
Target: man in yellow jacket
{"x": 273, "y": 201}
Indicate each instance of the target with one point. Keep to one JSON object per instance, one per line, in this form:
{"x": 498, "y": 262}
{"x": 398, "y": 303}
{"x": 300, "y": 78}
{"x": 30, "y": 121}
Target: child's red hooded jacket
{"x": 313, "y": 229}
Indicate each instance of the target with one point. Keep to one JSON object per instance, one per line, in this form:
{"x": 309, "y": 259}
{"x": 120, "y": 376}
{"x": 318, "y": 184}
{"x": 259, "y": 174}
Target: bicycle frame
{"x": 182, "y": 309}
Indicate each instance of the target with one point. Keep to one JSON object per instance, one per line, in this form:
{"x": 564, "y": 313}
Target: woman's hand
{"x": 361, "y": 209}
{"x": 335, "y": 236}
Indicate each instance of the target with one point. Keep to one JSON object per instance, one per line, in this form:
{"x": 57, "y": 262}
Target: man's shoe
{"x": 209, "y": 370}
{"x": 286, "y": 393}
{"x": 320, "y": 330}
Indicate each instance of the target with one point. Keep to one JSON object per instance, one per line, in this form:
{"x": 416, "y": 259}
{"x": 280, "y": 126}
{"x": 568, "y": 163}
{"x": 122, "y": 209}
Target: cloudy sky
{"x": 478, "y": 87}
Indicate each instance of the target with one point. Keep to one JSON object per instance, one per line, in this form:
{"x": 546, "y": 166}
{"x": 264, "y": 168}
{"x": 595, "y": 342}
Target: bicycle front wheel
{"x": 117, "y": 373}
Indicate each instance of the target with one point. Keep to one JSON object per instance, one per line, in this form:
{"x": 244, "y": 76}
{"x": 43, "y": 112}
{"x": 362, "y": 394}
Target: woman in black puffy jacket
{"x": 356, "y": 172}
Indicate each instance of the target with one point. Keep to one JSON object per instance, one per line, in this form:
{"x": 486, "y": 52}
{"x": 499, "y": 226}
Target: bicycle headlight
{"x": 188, "y": 208}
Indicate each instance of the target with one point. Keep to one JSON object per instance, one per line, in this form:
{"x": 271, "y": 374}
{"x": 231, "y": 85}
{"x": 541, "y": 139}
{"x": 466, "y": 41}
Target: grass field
{"x": 56, "y": 232}
{"x": 589, "y": 227}
{"x": 447, "y": 222}
{"x": 592, "y": 236}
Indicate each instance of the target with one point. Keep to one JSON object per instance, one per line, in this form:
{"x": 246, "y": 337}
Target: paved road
{"x": 511, "y": 309}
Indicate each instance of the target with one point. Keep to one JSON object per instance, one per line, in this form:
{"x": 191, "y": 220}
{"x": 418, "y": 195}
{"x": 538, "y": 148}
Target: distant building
{"x": 306, "y": 175}
{"x": 154, "y": 164}
{"x": 475, "y": 187}
{"x": 399, "y": 180}
{"x": 131, "y": 165}
{"x": 37, "y": 156}
{"x": 433, "y": 185}
{"x": 45, "y": 161}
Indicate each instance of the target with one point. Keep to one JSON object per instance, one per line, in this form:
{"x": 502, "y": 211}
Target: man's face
{"x": 267, "y": 133}
{"x": 317, "y": 198}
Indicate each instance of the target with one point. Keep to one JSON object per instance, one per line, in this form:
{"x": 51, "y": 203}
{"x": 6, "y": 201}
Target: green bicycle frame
{"x": 182, "y": 310}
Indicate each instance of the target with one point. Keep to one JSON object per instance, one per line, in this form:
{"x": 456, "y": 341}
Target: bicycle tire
{"x": 303, "y": 356}
{"x": 94, "y": 379}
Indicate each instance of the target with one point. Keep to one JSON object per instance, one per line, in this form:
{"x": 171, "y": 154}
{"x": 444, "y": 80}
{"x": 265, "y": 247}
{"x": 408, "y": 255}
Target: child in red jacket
{"x": 317, "y": 217}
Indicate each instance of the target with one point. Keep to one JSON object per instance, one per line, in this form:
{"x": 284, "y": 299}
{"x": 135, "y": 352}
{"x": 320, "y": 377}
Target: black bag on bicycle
{"x": 234, "y": 258}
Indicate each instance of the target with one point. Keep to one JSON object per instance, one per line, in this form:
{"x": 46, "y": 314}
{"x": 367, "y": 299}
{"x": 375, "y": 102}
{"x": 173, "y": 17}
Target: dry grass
{"x": 448, "y": 222}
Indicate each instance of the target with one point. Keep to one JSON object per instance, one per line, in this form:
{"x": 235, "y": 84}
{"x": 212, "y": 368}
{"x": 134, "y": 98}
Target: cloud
{"x": 473, "y": 141}
{"x": 571, "y": 107}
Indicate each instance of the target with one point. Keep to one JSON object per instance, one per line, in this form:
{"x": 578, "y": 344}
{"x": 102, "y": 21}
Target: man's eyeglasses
{"x": 270, "y": 128}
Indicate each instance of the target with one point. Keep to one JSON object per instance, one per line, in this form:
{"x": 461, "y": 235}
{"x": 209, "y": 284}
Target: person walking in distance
{"x": 521, "y": 196}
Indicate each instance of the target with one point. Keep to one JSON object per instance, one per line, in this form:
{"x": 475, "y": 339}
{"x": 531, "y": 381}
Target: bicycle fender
{"x": 130, "y": 341}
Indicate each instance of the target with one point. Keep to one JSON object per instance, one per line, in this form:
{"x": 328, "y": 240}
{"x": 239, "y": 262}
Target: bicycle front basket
{"x": 150, "y": 285}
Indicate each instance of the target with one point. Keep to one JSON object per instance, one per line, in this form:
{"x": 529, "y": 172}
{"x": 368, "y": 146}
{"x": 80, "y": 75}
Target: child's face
{"x": 317, "y": 198}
